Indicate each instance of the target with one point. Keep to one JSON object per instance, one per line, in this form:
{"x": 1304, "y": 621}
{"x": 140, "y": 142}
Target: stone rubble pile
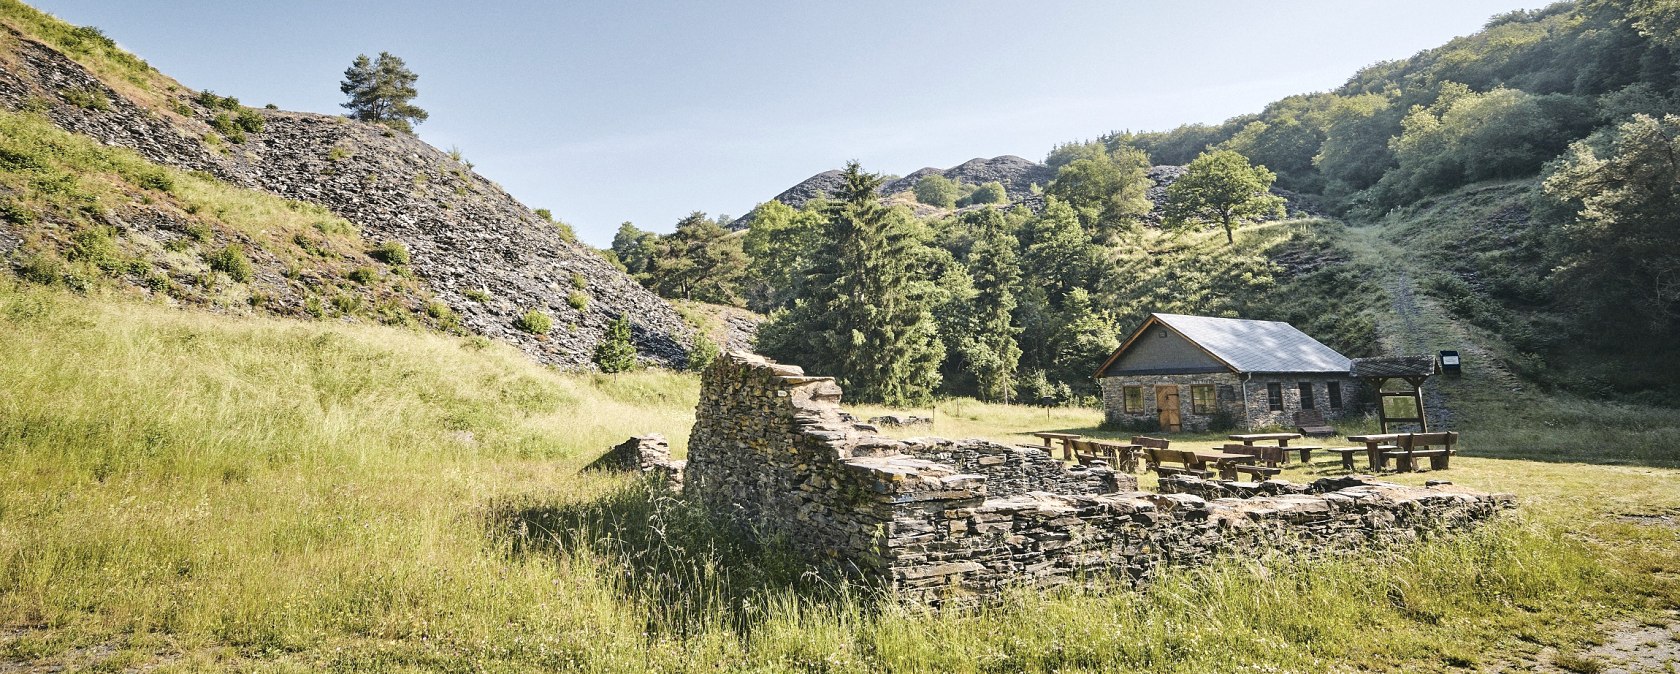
{"x": 468, "y": 239}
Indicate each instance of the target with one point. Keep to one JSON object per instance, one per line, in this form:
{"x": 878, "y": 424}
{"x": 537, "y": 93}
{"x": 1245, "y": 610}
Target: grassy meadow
{"x": 182, "y": 491}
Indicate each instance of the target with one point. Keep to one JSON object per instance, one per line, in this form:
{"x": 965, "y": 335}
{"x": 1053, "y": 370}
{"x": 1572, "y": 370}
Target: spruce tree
{"x": 616, "y": 353}
{"x": 380, "y": 91}
{"x": 993, "y": 354}
{"x": 866, "y": 318}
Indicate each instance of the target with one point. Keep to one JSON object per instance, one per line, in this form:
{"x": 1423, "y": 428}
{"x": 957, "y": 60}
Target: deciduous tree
{"x": 1220, "y": 187}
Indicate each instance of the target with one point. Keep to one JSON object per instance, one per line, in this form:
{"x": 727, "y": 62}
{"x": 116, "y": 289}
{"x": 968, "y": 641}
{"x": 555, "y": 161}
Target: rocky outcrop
{"x": 1017, "y": 176}
{"x": 478, "y": 249}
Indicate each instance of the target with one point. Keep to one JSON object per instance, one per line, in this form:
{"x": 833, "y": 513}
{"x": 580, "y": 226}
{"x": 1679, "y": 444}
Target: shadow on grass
{"x": 686, "y": 568}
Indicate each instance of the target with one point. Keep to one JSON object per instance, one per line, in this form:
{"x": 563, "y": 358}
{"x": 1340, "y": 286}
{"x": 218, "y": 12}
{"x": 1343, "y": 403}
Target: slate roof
{"x": 1394, "y": 366}
{"x": 1257, "y": 346}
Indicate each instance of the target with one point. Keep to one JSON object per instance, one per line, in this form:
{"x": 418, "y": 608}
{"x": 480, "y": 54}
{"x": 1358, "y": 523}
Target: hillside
{"x": 476, "y": 258}
{"x": 1017, "y": 176}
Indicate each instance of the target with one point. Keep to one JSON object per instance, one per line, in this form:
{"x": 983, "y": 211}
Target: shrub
{"x": 364, "y": 275}
{"x": 231, "y": 260}
{"x": 96, "y": 246}
{"x": 441, "y": 312}
{"x": 41, "y": 268}
{"x": 936, "y": 190}
{"x": 87, "y": 98}
{"x": 224, "y": 125}
{"x": 249, "y": 120}
{"x": 578, "y": 300}
{"x": 157, "y": 180}
{"x": 347, "y": 303}
{"x": 615, "y": 353}
{"x": 198, "y": 231}
{"x": 14, "y": 212}
{"x": 338, "y": 154}
{"x": 987, "y": 193}
{"x": 477, "y": 295}
{"x": 535, "y": 322}
{"x": 390, "y": 252}
{"x": 209, "y": 99}
{"x": 705, "y": 351}
{"x": 545, "y": 214}
{"x": 578, "y": 281}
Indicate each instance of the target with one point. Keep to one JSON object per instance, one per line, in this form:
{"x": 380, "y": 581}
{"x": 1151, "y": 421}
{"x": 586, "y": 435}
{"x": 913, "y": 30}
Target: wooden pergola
{"x": 1413, "y": 370}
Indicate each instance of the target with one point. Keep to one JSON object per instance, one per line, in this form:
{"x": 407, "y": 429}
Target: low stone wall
{"x": 944, "y": 521}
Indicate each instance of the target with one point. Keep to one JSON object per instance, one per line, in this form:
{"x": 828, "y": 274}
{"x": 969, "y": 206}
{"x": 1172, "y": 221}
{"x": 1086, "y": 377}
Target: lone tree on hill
{"x": 616, "y": 354}
{"x": 380, "y": 91}
{"x": 1221, "y": 187}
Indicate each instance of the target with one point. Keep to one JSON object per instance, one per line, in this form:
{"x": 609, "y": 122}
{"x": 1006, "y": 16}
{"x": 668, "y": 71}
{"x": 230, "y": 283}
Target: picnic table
{"x": 1375, "y": 445}
{"x": 1226, "y": 462}
{"x": 1282, "y": 441}
{"x": 1122, "y": 455}
{"x": 1066, "y": 439}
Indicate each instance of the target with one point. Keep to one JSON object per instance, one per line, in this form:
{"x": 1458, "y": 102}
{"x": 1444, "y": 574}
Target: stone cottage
{"x": 1192, "y": 372}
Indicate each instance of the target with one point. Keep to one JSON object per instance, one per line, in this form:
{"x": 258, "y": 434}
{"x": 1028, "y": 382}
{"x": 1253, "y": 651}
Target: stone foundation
{"x": 941, "y": 521}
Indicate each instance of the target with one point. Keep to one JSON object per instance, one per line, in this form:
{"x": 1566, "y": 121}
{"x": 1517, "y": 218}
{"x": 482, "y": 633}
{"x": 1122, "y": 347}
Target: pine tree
{"x": 616, "y": 354}
{"x": 993, "y": 353}
{"x": 866, "y": 319}
{"x": 380, "y": 91}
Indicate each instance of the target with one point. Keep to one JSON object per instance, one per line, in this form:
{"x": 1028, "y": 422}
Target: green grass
{"x": 205, "y": 493}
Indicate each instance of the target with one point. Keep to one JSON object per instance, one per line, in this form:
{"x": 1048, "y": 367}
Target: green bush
{"x": 477, "y": 295}
{"x": 96, "y": 246}
{"x": 198, "y": 231}
{"x": 225, "y": 125}
{"x": 15, "y": 213}
{"x": 937, "y": 190}
{"x": 578, "y": 300}
{"x": 616, "y": 353}
{"x": 364, "y": 275}
{"x": 545, "y": 214}
{"x": 157, "y": 180}
{"x": 444, "y": 315}
{"x": 249, "y": 121}
{"x": 231, "y": 260}
{"x": 209, "y": 99}
{"x": 41, "y": 268}
{"x": 705, "y": 351}
{"x": 535, "y": 322}
{"x": 390, "y": 252}
{"x": 87, "y": 98}
{"x": 579, "y": 282}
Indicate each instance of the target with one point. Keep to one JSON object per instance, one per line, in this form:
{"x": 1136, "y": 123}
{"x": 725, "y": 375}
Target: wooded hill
{"x": 1569, "y": 266}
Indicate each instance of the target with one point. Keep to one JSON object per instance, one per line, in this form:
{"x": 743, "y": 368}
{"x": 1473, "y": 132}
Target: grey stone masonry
{"x": 956, "y": 522}
{"x": 1244, "y": 402}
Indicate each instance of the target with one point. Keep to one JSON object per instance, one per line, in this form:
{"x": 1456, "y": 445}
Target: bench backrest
{"x": 1424, "y": 440}
{"x": 1177, "y": 456}
{"x": 1263, "y": 453}
{"x": 1145, "y": 441}
{"x": 1082, "y": 445}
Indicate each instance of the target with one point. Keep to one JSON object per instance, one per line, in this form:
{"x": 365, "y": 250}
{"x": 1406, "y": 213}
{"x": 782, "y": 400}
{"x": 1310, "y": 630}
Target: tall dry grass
{"x": 194, "y": 492}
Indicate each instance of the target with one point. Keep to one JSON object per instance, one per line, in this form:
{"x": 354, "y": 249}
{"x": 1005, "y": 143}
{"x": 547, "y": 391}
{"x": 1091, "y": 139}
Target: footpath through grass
{"x": 191, "y": 492}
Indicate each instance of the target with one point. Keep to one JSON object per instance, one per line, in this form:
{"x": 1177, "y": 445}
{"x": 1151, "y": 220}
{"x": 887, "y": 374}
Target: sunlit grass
{"x": 204, "y": 493}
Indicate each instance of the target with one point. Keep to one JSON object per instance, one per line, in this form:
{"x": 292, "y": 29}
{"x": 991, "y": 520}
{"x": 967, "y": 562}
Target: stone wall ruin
{"x": 943, "y": 521}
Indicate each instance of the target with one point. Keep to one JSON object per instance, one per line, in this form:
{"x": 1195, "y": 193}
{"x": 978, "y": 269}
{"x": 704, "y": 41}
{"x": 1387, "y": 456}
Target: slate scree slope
{"x": 466, "y": 235}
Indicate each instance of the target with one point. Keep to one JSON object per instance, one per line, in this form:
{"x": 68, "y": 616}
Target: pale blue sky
{"x": 609, "y": 111}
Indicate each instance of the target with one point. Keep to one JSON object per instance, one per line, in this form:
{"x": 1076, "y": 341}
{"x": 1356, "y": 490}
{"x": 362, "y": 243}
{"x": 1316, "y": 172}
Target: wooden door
{"x": 1166, "y": 405}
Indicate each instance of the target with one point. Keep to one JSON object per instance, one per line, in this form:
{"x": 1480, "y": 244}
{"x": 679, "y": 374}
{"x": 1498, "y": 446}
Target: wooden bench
{"x": 1312, "y": 423}
{"x": 1187, "y": 463}
{"x": 1270, "y": 456}
{"x": 1439, "y": 447}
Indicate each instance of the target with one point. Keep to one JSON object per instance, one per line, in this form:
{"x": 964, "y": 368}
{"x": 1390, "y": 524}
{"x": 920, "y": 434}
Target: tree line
{"x": 1002, "y": 304}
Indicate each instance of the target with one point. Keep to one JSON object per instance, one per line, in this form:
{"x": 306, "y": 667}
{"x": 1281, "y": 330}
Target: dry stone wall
{"x": 942, "y": 521}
